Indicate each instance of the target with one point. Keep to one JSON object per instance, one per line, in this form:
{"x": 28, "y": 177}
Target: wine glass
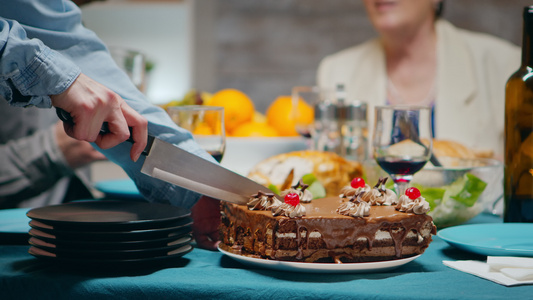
{"x": 206, "y": 123}
{"x": 402, "y": 141}
{"x": 323, "y": 129}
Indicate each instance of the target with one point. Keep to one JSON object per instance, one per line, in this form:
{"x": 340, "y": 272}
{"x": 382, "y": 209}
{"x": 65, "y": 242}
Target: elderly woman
{"x": 420, "y": 59}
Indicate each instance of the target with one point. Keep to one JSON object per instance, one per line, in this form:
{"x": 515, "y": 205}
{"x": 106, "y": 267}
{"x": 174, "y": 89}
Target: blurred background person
{"x": 39, "y": 163}
{"x": 419, "y": 58}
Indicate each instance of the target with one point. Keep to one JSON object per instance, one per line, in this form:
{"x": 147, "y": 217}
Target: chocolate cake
{"x": 333, "y": 229}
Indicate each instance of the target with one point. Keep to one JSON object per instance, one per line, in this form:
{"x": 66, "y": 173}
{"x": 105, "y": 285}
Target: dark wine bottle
{"x": 518, "y": 159}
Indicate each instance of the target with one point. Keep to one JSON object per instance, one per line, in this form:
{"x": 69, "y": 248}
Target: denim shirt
{"x": 43, "y": 49}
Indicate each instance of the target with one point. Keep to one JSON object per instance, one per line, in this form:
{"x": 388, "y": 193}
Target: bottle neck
{"x": 527, "y": 38}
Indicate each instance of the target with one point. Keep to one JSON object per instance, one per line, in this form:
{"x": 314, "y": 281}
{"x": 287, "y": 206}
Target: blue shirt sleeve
{"x": 30, "y": 71}
{"x": 55, "y": 27}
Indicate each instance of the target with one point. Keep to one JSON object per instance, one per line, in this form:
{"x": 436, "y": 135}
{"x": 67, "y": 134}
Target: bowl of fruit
{"x": 252, "y": 136}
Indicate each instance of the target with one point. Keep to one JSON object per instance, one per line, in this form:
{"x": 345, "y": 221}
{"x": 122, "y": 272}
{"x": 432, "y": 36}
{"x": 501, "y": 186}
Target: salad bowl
{"x": 458, "y": 191}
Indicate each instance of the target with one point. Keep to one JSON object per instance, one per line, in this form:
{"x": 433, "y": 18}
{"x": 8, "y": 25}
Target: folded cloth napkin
{"x": 505, "y": 270}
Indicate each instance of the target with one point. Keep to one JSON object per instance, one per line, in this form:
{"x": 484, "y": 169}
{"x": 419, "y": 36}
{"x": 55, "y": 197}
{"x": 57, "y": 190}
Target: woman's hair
{"x": 438, "y": 9}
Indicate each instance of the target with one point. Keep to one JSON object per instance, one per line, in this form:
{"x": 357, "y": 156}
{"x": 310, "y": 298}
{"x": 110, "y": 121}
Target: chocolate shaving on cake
{"x": 357, "y": 197}
{"x": 380, "y": 195}
{"x": 381, "y": 183}
{"x": 300, "y": 184}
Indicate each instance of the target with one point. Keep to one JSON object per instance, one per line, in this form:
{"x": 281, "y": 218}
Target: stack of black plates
{"x": 104, "y": 233}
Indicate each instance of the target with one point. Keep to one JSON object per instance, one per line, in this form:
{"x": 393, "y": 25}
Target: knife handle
{"x": 66, "y": 117}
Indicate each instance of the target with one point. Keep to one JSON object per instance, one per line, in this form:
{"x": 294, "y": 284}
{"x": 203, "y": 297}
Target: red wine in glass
{"x": 399, "y": 166}
{"x": 306, "y": 133}
{"x": 397, "y": 141}
{"x": 217, "y": 155}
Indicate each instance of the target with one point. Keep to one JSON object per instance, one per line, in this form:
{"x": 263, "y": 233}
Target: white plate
{"x": 242, "y": 153}
{"x": 365, "y": 267}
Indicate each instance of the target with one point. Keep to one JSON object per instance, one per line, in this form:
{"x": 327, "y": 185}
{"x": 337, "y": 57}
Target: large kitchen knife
{"x": 169, "y": 163}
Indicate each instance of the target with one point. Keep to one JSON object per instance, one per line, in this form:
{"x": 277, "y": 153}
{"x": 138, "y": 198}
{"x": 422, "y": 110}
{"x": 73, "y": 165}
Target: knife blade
{"x": 172, "y": 164}
{"x": 169, "y": 163}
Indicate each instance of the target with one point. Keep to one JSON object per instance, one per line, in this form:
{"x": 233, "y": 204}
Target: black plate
{"x": 102, "y": 236}
{"x": 120, "y": 228}
{"x": 108, "y": 214}
{"x": 107, "y": 245}
{"x": 91, "y": 253}
{"x": 108, "y": 264}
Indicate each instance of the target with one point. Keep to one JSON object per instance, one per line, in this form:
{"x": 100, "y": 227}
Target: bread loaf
{"x": 449, "y": 148}
{"x": 330, "y": 169}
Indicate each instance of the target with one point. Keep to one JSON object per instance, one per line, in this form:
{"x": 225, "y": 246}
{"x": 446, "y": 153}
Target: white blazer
{"x": 472, "y": 70}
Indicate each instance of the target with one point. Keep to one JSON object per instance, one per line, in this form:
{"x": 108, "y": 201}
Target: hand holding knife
{"x": 172, "y": 164}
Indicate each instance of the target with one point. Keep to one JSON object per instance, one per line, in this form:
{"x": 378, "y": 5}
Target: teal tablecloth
{"x": 207, "y": 274}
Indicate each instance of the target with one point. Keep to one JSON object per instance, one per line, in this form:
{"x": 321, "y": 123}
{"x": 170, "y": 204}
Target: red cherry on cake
{"x": 358, "y": 182}
{"x": 412, "y": 193}
{"x": 292, "y": 199}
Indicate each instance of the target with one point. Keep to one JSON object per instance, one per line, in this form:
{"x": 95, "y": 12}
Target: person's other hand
{"x": 206, "y": 219}
{"x": 77, "y": 153}
{"x": 91, "y": 104}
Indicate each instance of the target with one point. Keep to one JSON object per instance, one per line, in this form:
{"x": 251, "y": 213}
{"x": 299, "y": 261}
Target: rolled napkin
{"x": 505, "y": 270}
{"x": 519, "y": 268}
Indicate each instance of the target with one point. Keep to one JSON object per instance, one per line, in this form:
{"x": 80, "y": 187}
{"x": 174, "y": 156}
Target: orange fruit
{"x": 203, "y": 129}
{"x": 259, "y": 117}
{"x": 281, "y": 116}
{"x": 213, "y": 120}
{"x": 253, "y": 129}
{"x": 238, "y": 108}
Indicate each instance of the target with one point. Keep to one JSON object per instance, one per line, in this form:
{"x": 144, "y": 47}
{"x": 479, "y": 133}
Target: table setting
{"x": 212, "y": 274}
{"x": 121, "y": 246}
{"x": 508, "y": 247}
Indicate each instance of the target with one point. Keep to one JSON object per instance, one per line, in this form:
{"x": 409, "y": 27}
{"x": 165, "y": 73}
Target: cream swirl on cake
{"x": 289, "y": 210}
{"x": 413, "y": 202}
{"x": 263, "y": 201}
{"x": 355, "y": 207}
{"x": 292, "y": 207}
{"x": 380, "y": 195}
{"x": 357, "y": 185}
{"x": 299, "y": 188}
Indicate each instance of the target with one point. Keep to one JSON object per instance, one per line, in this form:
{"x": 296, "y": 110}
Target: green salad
{"x": 454, "y": 203}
